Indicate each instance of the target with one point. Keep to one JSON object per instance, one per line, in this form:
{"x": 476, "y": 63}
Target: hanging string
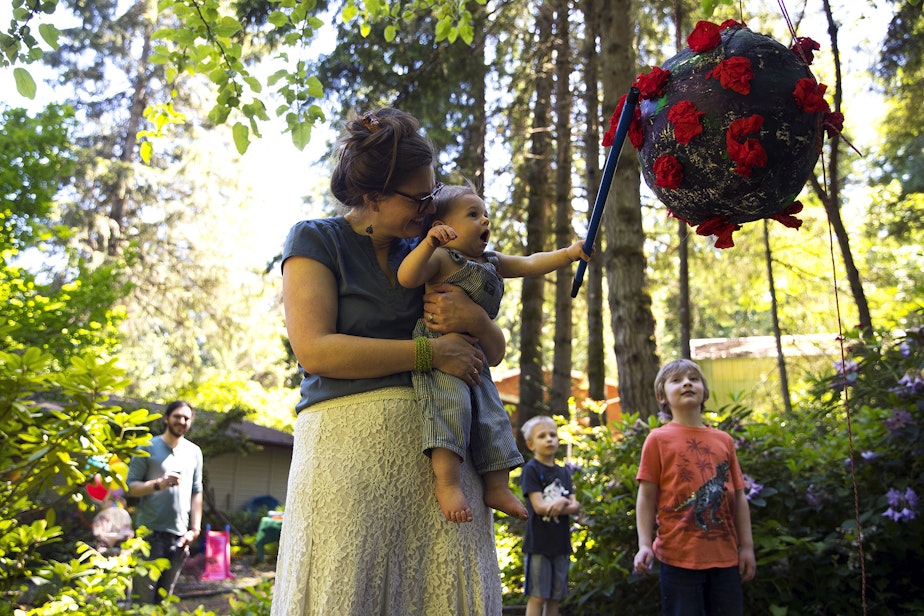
{"x": 846, "y": 390}
{"x": 844, "y": 385}
{"x": 840, "y": 337}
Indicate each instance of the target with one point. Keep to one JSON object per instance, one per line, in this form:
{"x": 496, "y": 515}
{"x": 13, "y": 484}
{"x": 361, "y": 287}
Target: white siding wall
{"x": 236, "y": 479}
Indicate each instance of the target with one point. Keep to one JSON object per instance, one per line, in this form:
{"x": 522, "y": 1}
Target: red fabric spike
{"x": 721, "y": 228}
{"x": 803, "y": 47}
{"x": 786, "y": 216}
{"x": 834, "y": 123}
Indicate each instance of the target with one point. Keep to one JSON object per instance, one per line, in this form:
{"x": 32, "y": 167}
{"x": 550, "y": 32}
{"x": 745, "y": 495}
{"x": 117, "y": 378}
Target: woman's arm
{"x": 309, "y": 295}
{"x": 454, "y": 311}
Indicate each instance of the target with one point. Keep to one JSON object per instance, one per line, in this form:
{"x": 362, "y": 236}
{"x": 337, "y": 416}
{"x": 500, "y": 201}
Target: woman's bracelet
{"x": 423, "y": 354}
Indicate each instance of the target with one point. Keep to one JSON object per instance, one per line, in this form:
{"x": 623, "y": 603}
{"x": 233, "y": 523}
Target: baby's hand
{"x": 439, "y": 235}
{"x": 576, "y": 251}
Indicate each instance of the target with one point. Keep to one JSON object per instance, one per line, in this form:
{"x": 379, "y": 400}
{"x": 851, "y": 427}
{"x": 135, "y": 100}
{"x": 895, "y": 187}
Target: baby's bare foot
{"x": 453, "y": 502}
{"x": 502, "y": 499}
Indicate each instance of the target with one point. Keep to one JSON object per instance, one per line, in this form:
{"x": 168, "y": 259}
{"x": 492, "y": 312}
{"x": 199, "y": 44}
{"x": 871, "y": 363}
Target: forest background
{"x": 187, "y": 226}
{"x": 144, "y": 215}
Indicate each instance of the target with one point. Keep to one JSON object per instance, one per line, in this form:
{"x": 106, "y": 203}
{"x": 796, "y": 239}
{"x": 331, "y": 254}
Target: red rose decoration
{"x": 803, "y": 47}
{"x": 809, "y": 95}
{"x": 610, "y": 135}
{"x": 636, "y": 136}
{"x": 705, "y": 36}
{"x": 669, "y": 172}
{"x": 734, "y": 74}
{"x": 749, "y": 153}
{"x": 686, "y": 121}
{"x": 651, "y": 85}
{"x": 786, "y": 216}
{"x": 730, "y": 23}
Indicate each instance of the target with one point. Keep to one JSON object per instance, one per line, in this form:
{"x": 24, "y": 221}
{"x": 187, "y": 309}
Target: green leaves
{"x": 207, "y": 41}
{"x": 25, "y": 85}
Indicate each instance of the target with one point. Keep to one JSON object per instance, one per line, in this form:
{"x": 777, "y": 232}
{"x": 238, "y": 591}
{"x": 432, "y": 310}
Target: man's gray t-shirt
{"x": 168, "y": 509}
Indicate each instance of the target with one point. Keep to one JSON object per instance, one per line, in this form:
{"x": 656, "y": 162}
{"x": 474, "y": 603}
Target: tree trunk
{"x": 775, "y": 316}
{"x": 830, "y": 194}
{"x": 118, "y": 198}
{"x": 630, "y": 302}
{"x": 596, "y": 351}
{"x": 532, "y": 386}
{"x": 472, "y": 156}
{"x": 564, "y": 233}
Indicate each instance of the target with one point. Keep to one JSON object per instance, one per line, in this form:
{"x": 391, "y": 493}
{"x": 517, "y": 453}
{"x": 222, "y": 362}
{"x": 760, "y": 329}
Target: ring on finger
{"x": 430, "y": 317}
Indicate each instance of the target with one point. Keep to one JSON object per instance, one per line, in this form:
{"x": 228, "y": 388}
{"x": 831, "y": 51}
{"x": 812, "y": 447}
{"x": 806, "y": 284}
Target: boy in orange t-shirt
{"x": 691, "y": 483}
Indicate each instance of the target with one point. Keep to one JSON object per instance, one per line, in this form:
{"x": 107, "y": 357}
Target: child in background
{"x": 691, "y": 483}
{"x": 454, "y": 251}
{"x": 550, "y": 499}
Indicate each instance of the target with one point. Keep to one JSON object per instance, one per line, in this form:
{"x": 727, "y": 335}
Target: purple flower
{"x": 899, "y": 420}
{"x": 869, "y": 455}
{"x": 893, "y": 497}
{"x": 813, "y": 496}
{"x": 902, "y": 505}
{"x": 909, "y": 385}
{"x": 847, "y": 372}
{"x": 752, "y": 488}
{"x": 905, "y": 348}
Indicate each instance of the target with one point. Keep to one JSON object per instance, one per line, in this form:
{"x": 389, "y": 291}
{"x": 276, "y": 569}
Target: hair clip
{"x": 371, "y": 122}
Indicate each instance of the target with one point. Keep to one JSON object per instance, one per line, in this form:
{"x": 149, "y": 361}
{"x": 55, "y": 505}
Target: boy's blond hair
{"x": 678, "y": 366}
{"x": 531, "y": 424}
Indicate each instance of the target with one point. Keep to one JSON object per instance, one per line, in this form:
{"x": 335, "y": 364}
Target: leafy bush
{"x": 804, "y": 510}
{"x": 55, "y": 427}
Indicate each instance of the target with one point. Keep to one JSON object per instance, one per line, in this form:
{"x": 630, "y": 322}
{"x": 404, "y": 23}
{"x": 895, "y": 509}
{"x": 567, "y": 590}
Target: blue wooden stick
{"x": 622, "y": 129}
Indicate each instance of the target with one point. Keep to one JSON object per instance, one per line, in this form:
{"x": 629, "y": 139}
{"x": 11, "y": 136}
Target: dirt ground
{"x": 214, "y": 596}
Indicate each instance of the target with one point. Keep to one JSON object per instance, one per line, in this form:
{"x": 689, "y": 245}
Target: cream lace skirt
{"x": 363, "y": 534}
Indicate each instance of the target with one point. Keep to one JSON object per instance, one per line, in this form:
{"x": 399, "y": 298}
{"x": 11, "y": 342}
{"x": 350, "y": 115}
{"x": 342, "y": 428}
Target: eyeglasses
{"x": 422, "y": 202}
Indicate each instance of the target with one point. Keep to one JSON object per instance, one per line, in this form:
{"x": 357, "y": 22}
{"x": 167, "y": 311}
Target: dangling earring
{"x": 369, "y": 229}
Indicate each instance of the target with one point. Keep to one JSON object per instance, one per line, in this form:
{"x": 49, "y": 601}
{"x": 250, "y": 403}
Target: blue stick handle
{"x": 609, "y": 169}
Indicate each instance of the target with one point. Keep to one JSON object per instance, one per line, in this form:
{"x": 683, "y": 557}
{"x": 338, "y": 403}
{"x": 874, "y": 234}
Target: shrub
{"x": 865, "y": 416}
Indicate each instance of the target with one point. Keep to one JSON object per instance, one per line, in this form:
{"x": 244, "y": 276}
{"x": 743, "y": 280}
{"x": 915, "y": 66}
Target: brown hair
{"x": 678, "y": 366}
{"x": 176, "y": 404}
{"x": 376, "y": 151}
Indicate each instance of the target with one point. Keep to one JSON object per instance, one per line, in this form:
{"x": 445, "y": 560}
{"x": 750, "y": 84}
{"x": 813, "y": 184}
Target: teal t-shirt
{"x": 368, "y": 304}
{"x": 168, "y": 509}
